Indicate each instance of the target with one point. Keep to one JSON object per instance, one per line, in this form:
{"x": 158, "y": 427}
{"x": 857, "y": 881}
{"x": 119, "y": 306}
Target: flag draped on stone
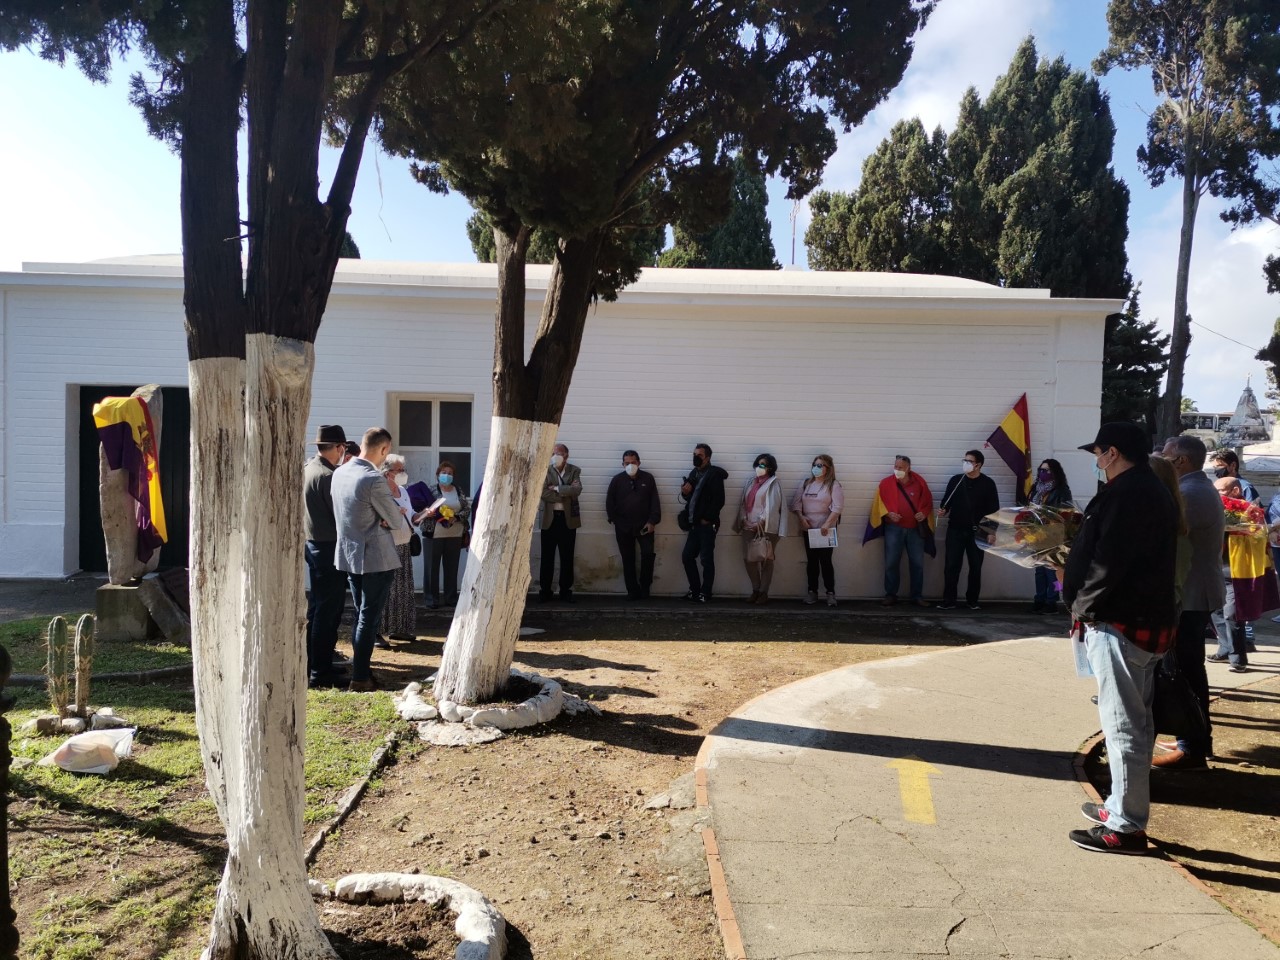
{"x": 129, "y": 442}
{"x": 1012, "y": 440}
{"x": 1253, "y": 576}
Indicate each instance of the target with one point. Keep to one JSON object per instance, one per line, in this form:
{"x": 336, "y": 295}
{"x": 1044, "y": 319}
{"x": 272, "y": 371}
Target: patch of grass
{"x": 25, "y": 640}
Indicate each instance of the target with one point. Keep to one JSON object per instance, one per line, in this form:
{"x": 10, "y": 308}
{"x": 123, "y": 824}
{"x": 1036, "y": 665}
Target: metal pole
{"x": 8, "y": 919}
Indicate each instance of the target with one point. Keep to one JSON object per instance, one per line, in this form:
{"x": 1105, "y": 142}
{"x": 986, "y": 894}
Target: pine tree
{"x": 743, "y": 240}
{"x": 1134, "y": 358}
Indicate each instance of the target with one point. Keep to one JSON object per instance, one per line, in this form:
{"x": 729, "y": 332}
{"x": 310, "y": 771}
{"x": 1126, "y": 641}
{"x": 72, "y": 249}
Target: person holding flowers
{"x": 1051, "y": 490}
{"x": 444, "y": 525}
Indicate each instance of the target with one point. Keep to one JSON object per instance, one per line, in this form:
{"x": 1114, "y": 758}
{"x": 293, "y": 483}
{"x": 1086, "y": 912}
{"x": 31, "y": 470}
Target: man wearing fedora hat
{"x": 1119, "y": 586}
{"x": 328, "y": 586}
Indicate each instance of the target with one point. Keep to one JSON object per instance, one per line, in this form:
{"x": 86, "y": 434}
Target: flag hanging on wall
{"x": 1012, "y": 440}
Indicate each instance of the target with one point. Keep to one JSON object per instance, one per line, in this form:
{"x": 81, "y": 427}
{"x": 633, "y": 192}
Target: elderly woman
{"x": 400, "y": 616}
{"x": 761, "y": 520}
{"x": 819, "y": 501}
{"x": 444, "y": 527}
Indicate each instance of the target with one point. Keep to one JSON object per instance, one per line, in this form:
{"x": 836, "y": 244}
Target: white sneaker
{"x": 831, "y": 599}
{"x": 811, "y": 597}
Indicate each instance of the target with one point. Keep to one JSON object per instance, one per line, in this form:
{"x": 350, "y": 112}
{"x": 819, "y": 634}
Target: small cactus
{"x": 84, "y": 662}
{"x": 59, "y": 688}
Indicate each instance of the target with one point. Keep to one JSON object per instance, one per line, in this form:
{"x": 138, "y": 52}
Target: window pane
{"x": 455, "y": 423}
{"x": 461, "y": 470}
{"x": 415, "y": 424}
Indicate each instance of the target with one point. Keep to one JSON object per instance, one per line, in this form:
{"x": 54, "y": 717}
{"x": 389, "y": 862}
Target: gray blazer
{"x": 1204, "y": 590}
{"x": 361, "y": 502}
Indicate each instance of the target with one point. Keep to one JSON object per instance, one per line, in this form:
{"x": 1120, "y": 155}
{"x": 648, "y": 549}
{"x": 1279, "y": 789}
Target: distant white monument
{"x": 1246, "y": 424}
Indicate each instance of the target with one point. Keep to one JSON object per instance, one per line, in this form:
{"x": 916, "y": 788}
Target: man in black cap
{"x": 328, "y": 586}
{"x": 1119, "y": 586}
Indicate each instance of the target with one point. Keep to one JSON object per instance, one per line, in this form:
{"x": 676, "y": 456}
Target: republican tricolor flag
{"x": 1012, "y": 440}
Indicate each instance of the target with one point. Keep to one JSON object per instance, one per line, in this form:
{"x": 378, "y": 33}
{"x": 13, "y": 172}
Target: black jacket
{"x": 709, "y": 500}
{"x": 1122, "y": 564}
{"x": 631, "y": 502}
{"x": 967, "y": 500}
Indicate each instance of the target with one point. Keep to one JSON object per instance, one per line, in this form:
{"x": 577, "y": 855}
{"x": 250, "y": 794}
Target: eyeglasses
{"x": 967, "y": 460}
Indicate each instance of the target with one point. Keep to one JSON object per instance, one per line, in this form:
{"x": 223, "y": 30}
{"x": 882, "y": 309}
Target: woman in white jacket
{"x": 762, "y": 520}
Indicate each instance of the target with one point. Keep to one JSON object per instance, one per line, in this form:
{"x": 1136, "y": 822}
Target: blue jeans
{"x": 1126, "y": 681}
{"x": 325, "y": 600}
{"x": 1046, "y": 587}
{"x": 1231, "y": 640}
{"x": 370, "y": 592}
{"x": 897, "y": 538}
{"x": 700, "y": 545}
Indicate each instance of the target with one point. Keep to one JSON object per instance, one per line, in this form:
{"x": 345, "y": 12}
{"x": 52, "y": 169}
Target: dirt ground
{"x": 550, "y": 824}
{"x": 1223, "y": 824}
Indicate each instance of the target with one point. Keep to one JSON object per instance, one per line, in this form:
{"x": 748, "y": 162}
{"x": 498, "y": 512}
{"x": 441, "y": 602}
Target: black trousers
{"x": 700, "y": 544}
{"x": 437, "y": 555}
{"x": 559, "y": 538}
{"x": 627, "y": 543}
{"x": 962, "y": 544}
{"x": 1188, "y": 654}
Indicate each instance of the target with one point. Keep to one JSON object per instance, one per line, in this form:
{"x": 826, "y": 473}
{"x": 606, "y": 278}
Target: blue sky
{"x": 82, "y": 180}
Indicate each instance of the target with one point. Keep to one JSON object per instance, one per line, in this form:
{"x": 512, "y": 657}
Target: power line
{"x": 1224, "y": 336}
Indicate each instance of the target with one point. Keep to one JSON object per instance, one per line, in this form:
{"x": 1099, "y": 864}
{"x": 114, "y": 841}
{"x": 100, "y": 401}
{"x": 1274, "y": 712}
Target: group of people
{"x": 1143, "y": 581}
{"x": 364, "y": 523}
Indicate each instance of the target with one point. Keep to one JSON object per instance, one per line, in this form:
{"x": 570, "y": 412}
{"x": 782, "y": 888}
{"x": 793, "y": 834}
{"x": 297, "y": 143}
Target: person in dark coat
{"x": 632, "y": 505}
{"x": 703, "y": 494}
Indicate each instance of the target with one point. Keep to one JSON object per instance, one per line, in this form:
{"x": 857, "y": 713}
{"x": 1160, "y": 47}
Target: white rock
{"x": 73, "y": 725}
{"x": 659, "y": 801}
{"x": 456, "y": 734}
{"x": 105, "y": 720}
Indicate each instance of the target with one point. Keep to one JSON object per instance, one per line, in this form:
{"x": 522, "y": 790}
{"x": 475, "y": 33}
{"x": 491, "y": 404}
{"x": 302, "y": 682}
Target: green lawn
{"x": 25, "y": 641}
{"x": 126, "y": 865}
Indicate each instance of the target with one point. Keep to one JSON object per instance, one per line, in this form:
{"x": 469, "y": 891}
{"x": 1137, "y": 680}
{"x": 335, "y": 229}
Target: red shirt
{"x": 917, "y": 500}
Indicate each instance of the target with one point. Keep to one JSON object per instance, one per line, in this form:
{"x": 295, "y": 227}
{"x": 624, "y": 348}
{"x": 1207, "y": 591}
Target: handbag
{"x": 683, "y": 521}
{"x": 1175, "y": 707}
{"x": 415, "y": 546}
{"x": 926, "y": 531}
{"x": 759, "y": 549}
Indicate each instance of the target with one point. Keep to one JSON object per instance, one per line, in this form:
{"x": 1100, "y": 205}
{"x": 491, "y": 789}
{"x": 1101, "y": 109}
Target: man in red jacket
{"x": 909, "y": 503}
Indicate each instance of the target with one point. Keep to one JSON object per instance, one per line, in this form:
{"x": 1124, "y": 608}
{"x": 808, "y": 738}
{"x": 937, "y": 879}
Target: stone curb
{"x": 141, "y": 676}
{"x": 378, "y": 761}
{"x": 1078, "y": 764}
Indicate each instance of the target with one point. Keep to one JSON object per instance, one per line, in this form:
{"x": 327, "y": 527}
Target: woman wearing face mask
{"x": 444, "y": 525}
{"x": 819, "y": 501}
{"x": 761, "y": 521}
{"x": 400, "y": 616}
{"x": 1050, "y": 490}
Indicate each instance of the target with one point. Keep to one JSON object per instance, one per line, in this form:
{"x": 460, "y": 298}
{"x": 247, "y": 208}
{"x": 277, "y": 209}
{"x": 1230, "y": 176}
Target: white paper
{"x": 818, "y": 542}
{"x": 1082, "y": 657}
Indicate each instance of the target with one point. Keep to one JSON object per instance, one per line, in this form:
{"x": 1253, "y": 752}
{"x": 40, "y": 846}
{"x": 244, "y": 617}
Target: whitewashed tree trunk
{"x": 264, "y": 908}
{"x": 486, "y": 623}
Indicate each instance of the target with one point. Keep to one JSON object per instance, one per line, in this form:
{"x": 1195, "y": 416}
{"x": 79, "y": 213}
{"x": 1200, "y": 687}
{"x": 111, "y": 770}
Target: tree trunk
{"x": 528, "y": 401}
{"x": 252, "y": 685}
{"x": 1171, "y": 404}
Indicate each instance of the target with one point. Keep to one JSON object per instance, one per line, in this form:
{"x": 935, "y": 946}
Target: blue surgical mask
{"x": 1100, "y": 474}
{"x": 816, "y": 471}
{"x": 445, "y": 479}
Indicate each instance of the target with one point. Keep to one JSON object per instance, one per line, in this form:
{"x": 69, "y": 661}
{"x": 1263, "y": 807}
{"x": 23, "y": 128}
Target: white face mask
{"x": 900, "y": 474}
{"x": 631, "y": 468}
{"x": 761, "y": 471}
{"x": 400, "y": 478}
{"x": 968, "y": 467}
{"x": 557, "y": 461}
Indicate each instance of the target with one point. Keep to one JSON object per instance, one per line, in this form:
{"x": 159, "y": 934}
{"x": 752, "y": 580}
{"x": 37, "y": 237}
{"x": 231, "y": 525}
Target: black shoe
{"x": 1037, "y": 608}
{"x": 634, "y": 595}
{"x": 1095, "y": 812}
{"x": 973, "y": 606}
{"x": 567, "y": 598}
{"x": 692, "y": 597}
{"x": 946, "y": 605}
{"x": 1250, "y": 648}
{"x": 1101, "y": 840}
{"x": 544, "y": 598}
{"x": 1216, "y": 658}
{"x": 330, "y": 682}
{"x": 339, "y": 658}
{"x": 382, "y": 644}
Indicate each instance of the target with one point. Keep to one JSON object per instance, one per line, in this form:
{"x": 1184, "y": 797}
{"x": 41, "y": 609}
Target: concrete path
{"x": 821, "y": 819}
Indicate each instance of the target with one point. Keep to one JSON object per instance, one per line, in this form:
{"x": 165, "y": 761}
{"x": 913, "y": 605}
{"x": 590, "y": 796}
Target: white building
{"x": 861, "y": 366}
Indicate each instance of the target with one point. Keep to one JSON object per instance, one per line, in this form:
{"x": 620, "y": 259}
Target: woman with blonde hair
{"x": 819, "y": 501}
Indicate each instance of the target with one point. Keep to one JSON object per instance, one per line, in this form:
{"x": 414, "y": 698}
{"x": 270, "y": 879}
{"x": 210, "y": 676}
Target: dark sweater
{"x": 631, "y": 502}
{"x": 317, "y": 478}
{"x": 968, "y": 500}
{"x": 707, "y": 498}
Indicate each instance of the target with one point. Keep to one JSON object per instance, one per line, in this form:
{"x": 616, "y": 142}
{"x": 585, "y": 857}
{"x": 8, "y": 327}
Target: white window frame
{"x": 395, "y": 398}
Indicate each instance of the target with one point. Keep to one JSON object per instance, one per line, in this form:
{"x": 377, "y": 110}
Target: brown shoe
{"x": 888, "y": 601}
{"x": 1179, "y": 760}
{"x": 362, "y": 686}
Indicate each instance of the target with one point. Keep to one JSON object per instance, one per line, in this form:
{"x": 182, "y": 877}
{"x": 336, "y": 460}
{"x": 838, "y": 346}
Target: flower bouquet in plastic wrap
{"x": 1244, "y": 519}
{"x": 1031, "y": 536}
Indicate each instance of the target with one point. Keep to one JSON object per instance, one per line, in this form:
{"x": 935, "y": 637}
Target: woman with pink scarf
{"x": 761, "y": 520}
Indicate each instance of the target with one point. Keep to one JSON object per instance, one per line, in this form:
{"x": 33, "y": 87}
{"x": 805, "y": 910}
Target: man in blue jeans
{"x": 365, "y": 513}
{"x": 703, "y": 493}
{"x": 1119, "y": 586}
{"x": 908, "y": 505}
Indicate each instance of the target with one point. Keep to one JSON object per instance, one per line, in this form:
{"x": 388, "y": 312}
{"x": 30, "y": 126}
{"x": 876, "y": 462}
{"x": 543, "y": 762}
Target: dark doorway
{"x": 175, "y": 476}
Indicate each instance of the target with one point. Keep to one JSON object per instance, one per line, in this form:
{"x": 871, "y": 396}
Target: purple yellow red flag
{"x": 1253, "y": 576}
{"x": 129, "y": 443}
{"x": 1012, "y": 440}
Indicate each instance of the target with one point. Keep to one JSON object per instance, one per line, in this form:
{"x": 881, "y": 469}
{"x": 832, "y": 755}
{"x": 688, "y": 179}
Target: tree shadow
{"x": 1233, "y": 878}
{"x": 651, "y": 733}
{"x": 591, "y": 691}
{"x": 1218, "y": 856}
{"x": 575, "y": 661}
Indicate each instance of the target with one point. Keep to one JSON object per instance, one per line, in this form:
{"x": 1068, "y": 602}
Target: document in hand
{"x": 818, "y": 542}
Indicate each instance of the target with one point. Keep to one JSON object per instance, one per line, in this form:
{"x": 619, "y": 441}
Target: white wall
{"x": 857, "y": 374}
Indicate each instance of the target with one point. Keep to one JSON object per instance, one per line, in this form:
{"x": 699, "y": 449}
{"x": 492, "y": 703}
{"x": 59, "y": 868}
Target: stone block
{"x": 122, "y": 615}
{"x": 165, "y": 610}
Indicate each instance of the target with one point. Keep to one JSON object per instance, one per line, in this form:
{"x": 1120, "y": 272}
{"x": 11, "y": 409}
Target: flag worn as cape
{"x": 1012, "y": 440}
{"x": 875, "y": 523}
{"x": 129, "y": 442}
{"x": 1253, "y": 576}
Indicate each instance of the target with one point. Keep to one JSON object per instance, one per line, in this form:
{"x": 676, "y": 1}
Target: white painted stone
{"x": 442, "y": 734}
{"x": 105, "y": 720}
{"x": 540, "y": 708}
{"x": 479, "y": 925}
{"x": 576, "y": 705}
{"x": 411, "y": 706}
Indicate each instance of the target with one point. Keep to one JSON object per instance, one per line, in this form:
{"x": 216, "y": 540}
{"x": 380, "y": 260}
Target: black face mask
{"x": 1220, "y": 472}
{"x": 698, "y": 461}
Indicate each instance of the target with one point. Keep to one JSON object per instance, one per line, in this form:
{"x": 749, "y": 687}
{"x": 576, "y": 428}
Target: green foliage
{"x": 1270, "y": 354}
{"x": 1022, "y": 192}
{"x": 1189, "y": 406}
{"x": 743, "y": 241}
{"x": 1134, "y": 358}
{"x": 349, "y": 250}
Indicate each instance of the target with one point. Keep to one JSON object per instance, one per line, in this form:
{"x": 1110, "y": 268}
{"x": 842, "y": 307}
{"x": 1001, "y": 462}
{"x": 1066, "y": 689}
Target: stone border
{"x": 542, "y": 707}
{"x": 480, "y": 926}
{"x": 378, "y": 761}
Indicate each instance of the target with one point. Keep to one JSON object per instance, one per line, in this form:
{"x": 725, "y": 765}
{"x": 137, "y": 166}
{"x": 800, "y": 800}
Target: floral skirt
{"x": 400, "y": 617}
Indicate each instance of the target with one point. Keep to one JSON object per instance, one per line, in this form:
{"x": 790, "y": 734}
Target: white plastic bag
{"x": 99, "y": 751}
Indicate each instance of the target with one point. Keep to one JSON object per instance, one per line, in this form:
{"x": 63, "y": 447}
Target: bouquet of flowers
{"x": 1244, "y": 519}
{"x": 1031, "y": 536}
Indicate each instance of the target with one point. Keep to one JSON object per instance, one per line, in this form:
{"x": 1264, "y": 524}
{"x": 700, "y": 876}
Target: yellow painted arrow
{"x": 913, "y": 784}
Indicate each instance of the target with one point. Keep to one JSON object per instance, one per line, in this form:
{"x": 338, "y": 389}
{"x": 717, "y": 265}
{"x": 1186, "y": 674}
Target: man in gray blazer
{"x": 1204, "y": 589}
{"x": 365, "y": 512}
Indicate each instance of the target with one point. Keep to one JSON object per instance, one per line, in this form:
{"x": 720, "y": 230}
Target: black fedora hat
{"x": 1125, "y": 435}
{"x": 330, "y": 433}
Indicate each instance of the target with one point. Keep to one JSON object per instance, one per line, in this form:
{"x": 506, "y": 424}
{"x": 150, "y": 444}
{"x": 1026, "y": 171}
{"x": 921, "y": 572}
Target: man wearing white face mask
{"x": 970, "y": 496}
{"x": 561, "y": 519}
{"x": 633, "y": 507}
